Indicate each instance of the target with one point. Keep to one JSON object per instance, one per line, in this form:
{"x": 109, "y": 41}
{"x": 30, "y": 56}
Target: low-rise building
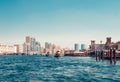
{"x": 19, "y": 48}
{"x": 7, "y": 49}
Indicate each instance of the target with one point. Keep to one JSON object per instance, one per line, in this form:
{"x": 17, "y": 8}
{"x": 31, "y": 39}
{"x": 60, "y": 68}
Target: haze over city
{"x": 62, "y": 22}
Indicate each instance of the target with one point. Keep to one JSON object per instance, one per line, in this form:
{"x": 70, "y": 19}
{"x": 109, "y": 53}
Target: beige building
{"x": 92, "y": 47}
{"x": 51, "y": 48}
{"x": 31, "y": 46}
{"x": 42, "y": 50}
{"x": 19, "y": 48}
{"x": 7, "y": 49}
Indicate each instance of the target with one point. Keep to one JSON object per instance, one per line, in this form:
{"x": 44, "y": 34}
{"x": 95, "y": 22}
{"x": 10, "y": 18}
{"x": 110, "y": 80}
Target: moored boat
{"x": 48, "y": 54}
{"x": 75, "y": 54}
{"x": 57, "y": 54}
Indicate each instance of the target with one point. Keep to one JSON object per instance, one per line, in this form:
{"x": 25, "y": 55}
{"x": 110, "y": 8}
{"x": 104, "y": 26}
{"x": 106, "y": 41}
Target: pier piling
{"x": 96, "y": 55}
{"x": 114, "y": 56}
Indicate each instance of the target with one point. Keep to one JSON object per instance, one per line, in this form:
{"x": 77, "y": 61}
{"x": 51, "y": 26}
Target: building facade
{"x": 76, "y": 47}
{"x": 31, "y": 46}
{"x": 92, "y": 46}
{"x": 51, "y": 48}
{"x": 83, "y": 46}
{"x": 108, "y": 43}
{"x": 19, "y": 48}
{"x": 7, "y": 49}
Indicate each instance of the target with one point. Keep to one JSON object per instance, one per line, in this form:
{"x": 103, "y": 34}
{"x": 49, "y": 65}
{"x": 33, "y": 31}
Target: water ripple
{"x": 50, "y": 69}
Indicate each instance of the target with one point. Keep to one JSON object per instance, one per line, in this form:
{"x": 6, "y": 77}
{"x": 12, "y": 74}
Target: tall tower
{"x": 83, "y": 46}
{"x": 92, "y": 45}
{"x": 108, "y": 42}
{"x": 27, "y": 47}
{"x": 28, "y": 39}
{"x": 32, "y": 44}
{"x": 76, "y": 46}
{"x": 46, "y": 45}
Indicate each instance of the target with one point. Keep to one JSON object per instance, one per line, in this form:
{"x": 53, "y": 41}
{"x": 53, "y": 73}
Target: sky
{"x": 62, "y": 22}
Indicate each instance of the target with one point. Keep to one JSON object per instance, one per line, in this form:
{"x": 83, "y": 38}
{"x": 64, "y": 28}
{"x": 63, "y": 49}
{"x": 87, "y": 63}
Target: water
{"x": 63, "y": 69}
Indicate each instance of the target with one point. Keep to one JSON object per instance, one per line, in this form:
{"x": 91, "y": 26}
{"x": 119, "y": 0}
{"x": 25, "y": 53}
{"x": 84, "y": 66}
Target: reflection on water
{"x": 63, "y": 69}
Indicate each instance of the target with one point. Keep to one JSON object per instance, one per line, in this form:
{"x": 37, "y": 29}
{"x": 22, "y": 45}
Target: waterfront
{"x": 64, "y": 69}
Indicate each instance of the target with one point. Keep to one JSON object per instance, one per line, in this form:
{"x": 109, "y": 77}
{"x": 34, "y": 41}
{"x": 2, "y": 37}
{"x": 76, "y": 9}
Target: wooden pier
{"x": 110, "y": 55}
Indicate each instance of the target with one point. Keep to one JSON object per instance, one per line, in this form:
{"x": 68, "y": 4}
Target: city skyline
{"x": 63, "y": 22}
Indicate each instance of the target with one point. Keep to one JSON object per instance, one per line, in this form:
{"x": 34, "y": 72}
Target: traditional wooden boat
{"x": 57, "y": 54}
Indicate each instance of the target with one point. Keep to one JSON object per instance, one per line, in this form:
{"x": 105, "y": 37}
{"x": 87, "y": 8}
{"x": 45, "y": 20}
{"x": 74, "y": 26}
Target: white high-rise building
{"x": 76, "y": 46}
{"x": 37, "y": 47}
{"x": 31, "y": 46}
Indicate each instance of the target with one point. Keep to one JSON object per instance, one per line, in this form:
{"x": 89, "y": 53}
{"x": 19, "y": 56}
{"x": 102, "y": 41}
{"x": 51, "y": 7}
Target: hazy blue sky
{"x": 63, "y": 22}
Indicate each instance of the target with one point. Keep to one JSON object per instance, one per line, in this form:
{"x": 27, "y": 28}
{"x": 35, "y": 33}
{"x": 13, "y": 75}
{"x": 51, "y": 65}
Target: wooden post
{"x": 102, "y": 55}
{"x": 114, "y": 56}
{"x": 110, "y": 56}
{"x": 96, "y": 55}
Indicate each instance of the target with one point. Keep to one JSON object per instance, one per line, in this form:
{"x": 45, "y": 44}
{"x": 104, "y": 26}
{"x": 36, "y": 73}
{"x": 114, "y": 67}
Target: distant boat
{"x": 48, "y": 54}
{"x": 75, "y": 54}
{"x": 57, "y": 54}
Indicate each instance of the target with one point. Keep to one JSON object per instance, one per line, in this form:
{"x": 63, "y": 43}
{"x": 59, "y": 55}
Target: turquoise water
{"x": 63, "y": 69}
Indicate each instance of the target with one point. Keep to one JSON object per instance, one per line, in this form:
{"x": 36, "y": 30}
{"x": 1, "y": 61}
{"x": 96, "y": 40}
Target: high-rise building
{"x": 83, "y": 46}
{"x": 76, "y": 46}
{"x": 51, "y": 48}
{"x": 31, "y": 46}
{"x": 37, "y": 48}
{"x": 46, "y": 45}
{"x": 28, "y": 39}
